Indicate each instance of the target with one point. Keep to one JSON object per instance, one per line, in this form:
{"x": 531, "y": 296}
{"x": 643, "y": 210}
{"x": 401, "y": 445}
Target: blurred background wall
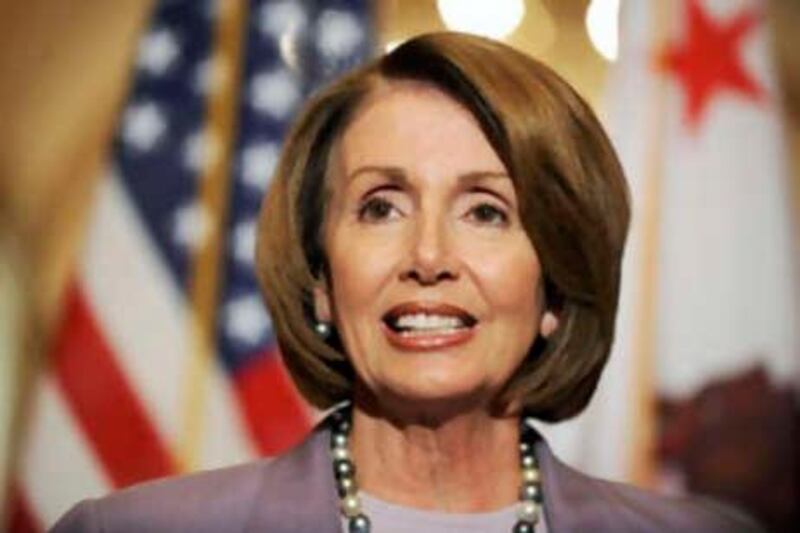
{"x": 65, "y": 68}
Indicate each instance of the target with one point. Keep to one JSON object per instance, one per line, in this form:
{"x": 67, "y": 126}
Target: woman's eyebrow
{"x": 394, "y": 174}
{"x": 399, "y": 175}
{"x": 478, "y": 176}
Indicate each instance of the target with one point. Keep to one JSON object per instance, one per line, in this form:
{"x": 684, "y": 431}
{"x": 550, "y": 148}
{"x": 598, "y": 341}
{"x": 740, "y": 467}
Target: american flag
{"x": 165, "y": 360}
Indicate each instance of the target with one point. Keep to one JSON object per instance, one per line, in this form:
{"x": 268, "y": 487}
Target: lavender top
{"x": 388, "y": 517}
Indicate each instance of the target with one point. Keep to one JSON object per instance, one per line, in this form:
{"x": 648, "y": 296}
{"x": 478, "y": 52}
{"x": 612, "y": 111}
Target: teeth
{"x": 425, "y": 322}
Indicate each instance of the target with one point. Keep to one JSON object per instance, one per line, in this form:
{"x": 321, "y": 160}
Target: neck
{"x": 467, "y": 463}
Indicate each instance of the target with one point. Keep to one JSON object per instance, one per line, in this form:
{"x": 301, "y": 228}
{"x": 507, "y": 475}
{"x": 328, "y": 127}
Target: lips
{"x": 426, "y": 326}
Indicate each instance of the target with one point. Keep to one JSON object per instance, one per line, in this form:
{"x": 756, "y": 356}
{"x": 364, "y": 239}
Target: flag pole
{"x": 643, "y": 429}
{"x": 214, "y": 184}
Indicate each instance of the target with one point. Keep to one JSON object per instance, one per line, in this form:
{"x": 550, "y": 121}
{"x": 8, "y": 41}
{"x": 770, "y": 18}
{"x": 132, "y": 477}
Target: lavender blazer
{"x": 296, "y": 493}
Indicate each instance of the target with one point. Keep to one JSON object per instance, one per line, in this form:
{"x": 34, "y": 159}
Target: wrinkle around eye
{"x": 500, "y": 218}
{"x": 502, "y": 197}
{"x": 377, "y": 209}
{"x": 485, "y": 207}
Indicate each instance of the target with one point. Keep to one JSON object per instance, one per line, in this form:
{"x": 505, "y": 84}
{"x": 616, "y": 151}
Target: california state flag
{"x": 709, "y": 317}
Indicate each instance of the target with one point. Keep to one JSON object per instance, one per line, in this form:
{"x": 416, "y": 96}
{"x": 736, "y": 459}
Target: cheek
{"x": 360, "y": 267}
{"x": 510, "y": 279}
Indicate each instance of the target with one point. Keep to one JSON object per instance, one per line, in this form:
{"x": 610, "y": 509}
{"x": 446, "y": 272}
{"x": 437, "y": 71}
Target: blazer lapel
{"x": 298, "y": 493}
{"x": 570, "y": 500}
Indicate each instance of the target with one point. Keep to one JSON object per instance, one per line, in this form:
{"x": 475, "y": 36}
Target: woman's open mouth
{"x": 427, "y": 326}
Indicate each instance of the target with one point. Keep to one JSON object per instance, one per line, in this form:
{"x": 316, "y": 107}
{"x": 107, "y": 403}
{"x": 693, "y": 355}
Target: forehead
{"x": 390, "y": 96}
{"x": 417, "y": 126}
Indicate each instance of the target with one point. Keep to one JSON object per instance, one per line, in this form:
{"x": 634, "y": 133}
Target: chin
{"x": 439, "y": 376}
{"x": 429, "y": 397}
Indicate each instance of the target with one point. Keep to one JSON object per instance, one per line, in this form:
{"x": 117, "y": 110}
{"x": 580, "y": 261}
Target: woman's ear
{"x": 322, "y": 303}
{"x": 549, "y": 324}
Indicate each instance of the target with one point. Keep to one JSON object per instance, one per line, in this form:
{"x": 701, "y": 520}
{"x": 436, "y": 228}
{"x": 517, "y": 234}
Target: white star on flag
{"x": 245, "y": 319}
{"x": 258, "y": 164}
{"x": 143, "y": 125}
{"x": 338, "y": 33}
{"x": 278, "y": 18}
{"x": 275, "y": 93}
{"x": 200, "y": 150}
{"x": 208, "y": 75}
{"x": 157, "y": 52}
{"x": 191, "y": 225}
{"x": 244, "y": 242}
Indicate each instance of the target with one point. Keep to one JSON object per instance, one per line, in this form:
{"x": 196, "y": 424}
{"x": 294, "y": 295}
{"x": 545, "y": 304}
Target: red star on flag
{"x": 708, "y": 60}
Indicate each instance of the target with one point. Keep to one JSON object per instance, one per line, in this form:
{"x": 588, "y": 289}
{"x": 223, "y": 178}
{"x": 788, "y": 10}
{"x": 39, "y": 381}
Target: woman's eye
{"x": 488, "y": 214}
{"x": 376, "y": 209}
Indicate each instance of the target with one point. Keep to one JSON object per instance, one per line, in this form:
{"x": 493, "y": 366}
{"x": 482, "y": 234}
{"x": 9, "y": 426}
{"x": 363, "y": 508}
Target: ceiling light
{"x": 496, "y": 18}
{"x": 602, "y": 23}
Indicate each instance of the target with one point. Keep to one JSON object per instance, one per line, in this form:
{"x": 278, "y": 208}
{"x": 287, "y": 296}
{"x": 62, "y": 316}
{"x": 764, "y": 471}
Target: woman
{"x": 440, "y": 249}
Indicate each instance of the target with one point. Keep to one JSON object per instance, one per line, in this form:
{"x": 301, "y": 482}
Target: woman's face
{"x": 436, "y": 288}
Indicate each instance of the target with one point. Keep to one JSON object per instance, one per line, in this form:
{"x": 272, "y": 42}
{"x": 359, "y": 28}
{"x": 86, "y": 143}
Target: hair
{"x": 573, "y": 206}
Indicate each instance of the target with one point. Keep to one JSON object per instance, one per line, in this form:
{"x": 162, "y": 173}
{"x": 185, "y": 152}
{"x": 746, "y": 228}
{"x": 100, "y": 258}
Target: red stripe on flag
{"x": 20, "y": 517}
{"x": 275, "y": 413}
{"x": 111, "y": 416}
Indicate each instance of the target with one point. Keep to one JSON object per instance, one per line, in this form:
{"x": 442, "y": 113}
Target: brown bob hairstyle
{"x": 573, "y": 205}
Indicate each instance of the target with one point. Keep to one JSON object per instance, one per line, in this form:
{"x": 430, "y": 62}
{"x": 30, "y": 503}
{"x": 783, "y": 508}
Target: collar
{"x": 298, "y": 492}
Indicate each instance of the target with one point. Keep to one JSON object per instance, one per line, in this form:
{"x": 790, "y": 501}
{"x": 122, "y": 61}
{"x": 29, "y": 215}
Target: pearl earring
{"x": 323, "y": 329}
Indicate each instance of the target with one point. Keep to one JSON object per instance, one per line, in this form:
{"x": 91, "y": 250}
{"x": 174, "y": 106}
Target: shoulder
{"x": 238, "y": 498}
{"x": 633, "y": 509}
{"x": 196, "y": 502}
{"x": 577, "y": 502}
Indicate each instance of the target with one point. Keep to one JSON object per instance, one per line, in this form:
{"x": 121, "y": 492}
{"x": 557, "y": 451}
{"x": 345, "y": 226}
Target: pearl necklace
{"x": 344, "y": 470}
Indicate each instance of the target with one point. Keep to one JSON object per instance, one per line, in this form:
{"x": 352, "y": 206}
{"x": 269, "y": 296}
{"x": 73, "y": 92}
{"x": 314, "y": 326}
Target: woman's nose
{"x": 431, "y": 260}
